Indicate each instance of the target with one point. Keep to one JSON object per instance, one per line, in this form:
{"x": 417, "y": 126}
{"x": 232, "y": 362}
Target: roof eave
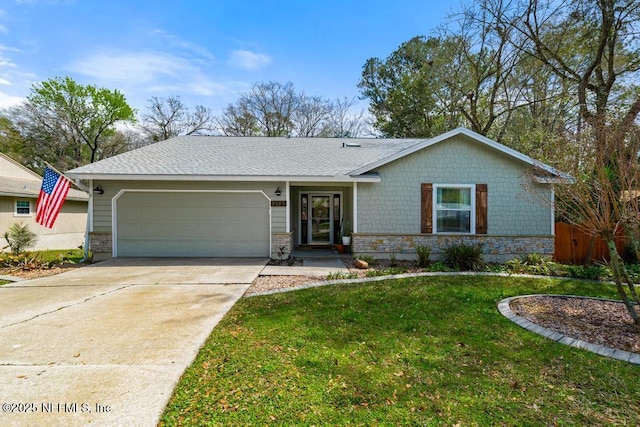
{"x": 462, "y": 131}
{"x": 220, "y": 178}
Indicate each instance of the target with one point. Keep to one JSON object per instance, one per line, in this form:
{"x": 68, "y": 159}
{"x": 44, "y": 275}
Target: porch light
{"x": 278, "y": 192}
{"x": 99, "y": 189}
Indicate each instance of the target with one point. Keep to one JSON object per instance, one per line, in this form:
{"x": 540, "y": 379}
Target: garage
{"x": 191, "y": 224}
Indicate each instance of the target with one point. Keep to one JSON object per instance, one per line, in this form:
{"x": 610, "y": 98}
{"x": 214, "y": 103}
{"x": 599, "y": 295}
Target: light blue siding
{"x": 515, "y": 205}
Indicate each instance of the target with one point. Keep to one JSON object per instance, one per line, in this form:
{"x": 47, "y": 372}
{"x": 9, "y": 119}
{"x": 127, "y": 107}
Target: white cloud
{"x": 150, "y": 72}
{"x": 184, "y": 45}
{"x": 132, "y": 67}
{"x": 7, "y": 100}
{"x": 248, "y": 60}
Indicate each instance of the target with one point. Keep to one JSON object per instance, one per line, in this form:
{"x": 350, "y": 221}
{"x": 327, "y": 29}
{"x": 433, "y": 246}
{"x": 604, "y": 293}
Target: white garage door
{"x": 199, "y": 224}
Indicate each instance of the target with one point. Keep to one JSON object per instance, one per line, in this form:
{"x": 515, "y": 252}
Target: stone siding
{"x": 495, "y": 248}
{"x": 100, "y": 245}
{"x": 281, "y": 245}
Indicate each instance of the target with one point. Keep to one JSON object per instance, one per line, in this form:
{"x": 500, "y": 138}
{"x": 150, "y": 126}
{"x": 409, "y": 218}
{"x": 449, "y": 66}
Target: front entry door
{"x": 321, "y": 223}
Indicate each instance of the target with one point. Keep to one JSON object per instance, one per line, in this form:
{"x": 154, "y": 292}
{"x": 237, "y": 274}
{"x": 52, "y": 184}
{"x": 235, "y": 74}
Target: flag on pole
{"x": 52, "y": 194}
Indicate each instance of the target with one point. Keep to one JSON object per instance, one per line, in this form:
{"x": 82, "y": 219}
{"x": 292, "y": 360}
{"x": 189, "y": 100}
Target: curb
{"x": 505, "y": 309}
{"x": 320, "y": 283}
{"x": 12, "y": 278}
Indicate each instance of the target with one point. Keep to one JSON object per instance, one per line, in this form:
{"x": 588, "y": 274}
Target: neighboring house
{"x": 212, "y": 196}
{"x": 19, "y": 190}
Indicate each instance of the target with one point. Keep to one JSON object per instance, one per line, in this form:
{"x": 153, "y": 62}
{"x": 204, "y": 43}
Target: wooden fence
{"x": 572, "y": 245}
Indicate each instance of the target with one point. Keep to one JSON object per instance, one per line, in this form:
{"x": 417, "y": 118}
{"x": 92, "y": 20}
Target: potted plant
{"x": 338, "y": 244}
{"x": 346, "y": 235}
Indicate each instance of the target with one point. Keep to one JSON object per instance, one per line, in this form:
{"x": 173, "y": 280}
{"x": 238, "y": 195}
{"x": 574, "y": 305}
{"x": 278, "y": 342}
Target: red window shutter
{"x": 426, "y": 224}
{"x": 481, "y": 208}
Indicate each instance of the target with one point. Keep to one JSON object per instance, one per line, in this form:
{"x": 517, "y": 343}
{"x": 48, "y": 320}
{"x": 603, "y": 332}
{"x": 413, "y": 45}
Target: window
{"x": 23, "y": 208}
{"x": 454, "y": 209}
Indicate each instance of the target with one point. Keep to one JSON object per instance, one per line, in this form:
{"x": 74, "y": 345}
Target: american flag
{"x": 52, "y": 194}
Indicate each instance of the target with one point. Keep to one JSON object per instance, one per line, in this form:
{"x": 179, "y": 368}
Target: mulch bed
{"x": 595, "y": 321}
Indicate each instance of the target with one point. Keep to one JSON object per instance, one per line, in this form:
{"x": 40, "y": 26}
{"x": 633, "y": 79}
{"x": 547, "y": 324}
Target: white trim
{"x": 227, "y": 178}
{"x": 15, "y": 207}
{"x": 473, "y": 135}
{"x": 287, "y": 217}
{"x": 355, "y": 207}
{"x": 114, "y": 213}
{"x": 434, "y": 207}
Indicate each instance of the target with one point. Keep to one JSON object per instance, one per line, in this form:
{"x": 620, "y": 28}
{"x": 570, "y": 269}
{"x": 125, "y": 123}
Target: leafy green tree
{"x": 403, "y": 91}
{"x": 69, "y": 124}
{"x": 11, "y": 142}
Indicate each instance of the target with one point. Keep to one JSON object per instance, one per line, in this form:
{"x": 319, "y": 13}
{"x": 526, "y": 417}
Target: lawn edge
{"x": 505, "y": 309}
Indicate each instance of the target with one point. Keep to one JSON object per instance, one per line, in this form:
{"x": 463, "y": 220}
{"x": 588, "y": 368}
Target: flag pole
{"x": 80, "y": 186}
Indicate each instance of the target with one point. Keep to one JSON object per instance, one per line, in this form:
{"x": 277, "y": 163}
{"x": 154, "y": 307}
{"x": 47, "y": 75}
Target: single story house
{"x": 213, "y": 196}
{"x": 19, "y": 190}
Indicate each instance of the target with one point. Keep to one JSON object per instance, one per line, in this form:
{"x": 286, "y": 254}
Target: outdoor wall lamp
{"x": 278, "y": 192}
{"x": 99, "y": 189}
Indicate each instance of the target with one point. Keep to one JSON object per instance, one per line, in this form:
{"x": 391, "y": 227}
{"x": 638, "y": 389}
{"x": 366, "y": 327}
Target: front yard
{"x": 420, "y": 351}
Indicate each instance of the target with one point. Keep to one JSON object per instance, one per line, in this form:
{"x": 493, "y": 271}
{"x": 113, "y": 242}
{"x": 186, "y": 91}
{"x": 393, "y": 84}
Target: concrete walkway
{"x": 106, "y": 344}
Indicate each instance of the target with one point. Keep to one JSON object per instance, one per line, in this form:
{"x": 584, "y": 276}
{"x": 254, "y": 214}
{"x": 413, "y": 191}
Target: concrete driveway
{"x": 106, "y": 344}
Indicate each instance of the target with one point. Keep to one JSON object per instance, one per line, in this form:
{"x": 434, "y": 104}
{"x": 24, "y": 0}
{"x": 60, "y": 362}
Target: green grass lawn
{"x": 421, "y": 351}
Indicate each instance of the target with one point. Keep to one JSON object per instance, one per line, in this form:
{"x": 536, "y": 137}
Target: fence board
{"x": 572, "y": 245}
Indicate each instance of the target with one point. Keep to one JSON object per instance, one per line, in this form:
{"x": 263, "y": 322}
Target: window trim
{"x": 472, "y": 212}
{"x": 15, "y": 208}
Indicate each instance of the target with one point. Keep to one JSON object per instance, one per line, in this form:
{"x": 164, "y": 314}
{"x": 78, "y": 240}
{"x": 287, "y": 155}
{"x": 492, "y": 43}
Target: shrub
{"x": 423, "y": 254}
{"x": 590, "y": 272}
{"x": 19, "y": 237}
{"x": 393, "y": 262}
{"x": 530, "y": 263}
{"x": 438, "y": 266}
{"x": 463, "y": 257}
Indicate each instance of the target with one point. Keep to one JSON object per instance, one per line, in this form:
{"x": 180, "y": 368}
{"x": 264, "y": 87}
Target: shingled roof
{"x": 220, "y": 157}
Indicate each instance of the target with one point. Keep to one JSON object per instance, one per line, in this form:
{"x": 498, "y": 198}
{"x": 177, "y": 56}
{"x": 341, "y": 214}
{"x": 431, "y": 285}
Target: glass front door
{"x": 321, "y": 224}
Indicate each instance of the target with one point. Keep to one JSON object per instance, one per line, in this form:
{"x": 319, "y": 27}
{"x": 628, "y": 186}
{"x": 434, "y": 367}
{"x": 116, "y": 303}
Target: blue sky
{"x": 206, "y": 52}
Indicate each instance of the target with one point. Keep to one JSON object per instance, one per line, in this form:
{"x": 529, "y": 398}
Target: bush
{"x": 590, "y": 272}
{"x": 531, "y": 264}
{"x": 393, "y": 262}
{"x": 463, "y": 257}
{"x": 19, "y": 238}
{"x": 424, "y": 254}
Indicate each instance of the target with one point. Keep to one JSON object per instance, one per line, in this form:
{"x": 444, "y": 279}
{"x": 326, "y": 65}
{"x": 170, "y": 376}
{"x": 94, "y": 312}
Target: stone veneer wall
{"x": 495, "y": 248}
{"x": 100, "y": 245}
{"x": 282, "y": 241}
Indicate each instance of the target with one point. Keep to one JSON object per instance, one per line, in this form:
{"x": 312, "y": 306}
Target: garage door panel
{"x": 193, "y": 224}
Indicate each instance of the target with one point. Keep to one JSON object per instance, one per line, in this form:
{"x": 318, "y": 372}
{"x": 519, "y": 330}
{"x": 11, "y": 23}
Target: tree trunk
{"x": 621, "y": 275}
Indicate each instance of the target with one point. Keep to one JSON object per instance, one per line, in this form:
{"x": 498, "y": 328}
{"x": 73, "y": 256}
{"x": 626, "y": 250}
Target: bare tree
{"x": 344, "y": 122}
{"x": 311, "y": 117}
{"x": 274, "y": 109}
{"x": 169, "y": 117}
{"x": 593, "y": 46}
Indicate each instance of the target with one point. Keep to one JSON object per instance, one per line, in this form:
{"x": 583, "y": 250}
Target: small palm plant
{"x": 19, "y": 238}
